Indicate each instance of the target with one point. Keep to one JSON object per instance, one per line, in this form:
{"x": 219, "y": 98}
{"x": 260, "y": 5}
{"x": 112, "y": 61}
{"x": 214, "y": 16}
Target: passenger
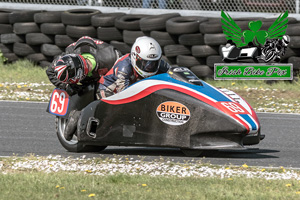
{"x": 143, "y": 61}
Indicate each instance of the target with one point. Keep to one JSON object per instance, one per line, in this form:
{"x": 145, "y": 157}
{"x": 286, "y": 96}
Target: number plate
{"x": 233, "y": 108}
{"x": 59, "y": 102}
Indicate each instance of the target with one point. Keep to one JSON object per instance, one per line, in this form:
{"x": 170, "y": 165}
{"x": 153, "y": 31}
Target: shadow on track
{"x": 254, "y": 153}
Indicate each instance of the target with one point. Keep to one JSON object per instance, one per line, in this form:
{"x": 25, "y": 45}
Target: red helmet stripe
{"x": 86, "y": 69}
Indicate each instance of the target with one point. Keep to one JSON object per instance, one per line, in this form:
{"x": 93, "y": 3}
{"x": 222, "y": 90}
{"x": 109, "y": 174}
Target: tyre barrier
{"x": 190, "y": 41}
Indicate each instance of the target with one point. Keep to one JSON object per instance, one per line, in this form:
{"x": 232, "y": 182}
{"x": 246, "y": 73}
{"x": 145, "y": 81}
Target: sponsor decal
{"x": 137, "y": 49}
{"x": 253, "y": 71}
{"x": 152, "y": 56}
{"x": 173, "y": 113}
{"x": 265, "y": 47}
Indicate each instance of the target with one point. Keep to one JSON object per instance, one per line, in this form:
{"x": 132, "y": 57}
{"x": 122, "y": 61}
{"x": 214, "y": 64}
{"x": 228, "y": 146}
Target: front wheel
{"x": 73, "y": 145}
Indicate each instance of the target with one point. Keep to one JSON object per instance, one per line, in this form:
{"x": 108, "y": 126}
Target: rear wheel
{"x": 73, "y": 145}
{"x": 192, "y": 152}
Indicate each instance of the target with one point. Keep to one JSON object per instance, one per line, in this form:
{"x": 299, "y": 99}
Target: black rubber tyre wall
{"x": 51, "y": 50}
{"x": 121, "y": 46}
{"x": 191, "y": 39}
{"x": 48, "y": 17}
{"x": 53, "y": 28}
{"x": 6, "y": 28}
{"x": 129, "y": 22}
{"x": 156, "y": 22}
{"x": 204, "y": 50}
{"x": 26, "y": 27}
{"x": 11, "y": 57}
{"x": 295, "y": 42}
{"x": 109, "y": 33}
{"x": 211, "y": 60}
{"x": 105, "y": 19}
{"x": 22, "y": 16}
{"x": 39, "y": 38}
{"x": 203, "y": 71}
{"x": 78, "y": 17}
{"x": 10, "y": 38}
{"x": 23, "y": 49}
{"x": 4, "y": 16}
{"x": 176, "y": 49}
{"x": 36, "y": 57}
{"x": 164, "y": 38}
{"x": 6, "y": 48}
{"x": 79, "y": 31}
{"x": 129, "y": 37}
{"x": 63, "y": 40}
{"x": 215, "y": 39}
{"x": 189, "y": 61}
{"x": 184, "y": 25}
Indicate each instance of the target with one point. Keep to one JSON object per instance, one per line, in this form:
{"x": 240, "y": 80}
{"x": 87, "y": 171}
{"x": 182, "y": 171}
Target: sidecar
{"x": 175, "y": 109}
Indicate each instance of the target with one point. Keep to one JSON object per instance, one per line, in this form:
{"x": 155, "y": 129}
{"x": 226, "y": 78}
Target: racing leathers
{"x": 122, "y": 74}
{"x": 102, "y": 55}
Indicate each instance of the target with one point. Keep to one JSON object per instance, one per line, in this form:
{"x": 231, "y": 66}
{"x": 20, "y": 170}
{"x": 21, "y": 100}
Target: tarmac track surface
{"x": 26, "y": 128}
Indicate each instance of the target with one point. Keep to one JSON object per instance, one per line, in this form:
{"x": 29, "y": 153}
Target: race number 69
{"x": 59, "y": 102}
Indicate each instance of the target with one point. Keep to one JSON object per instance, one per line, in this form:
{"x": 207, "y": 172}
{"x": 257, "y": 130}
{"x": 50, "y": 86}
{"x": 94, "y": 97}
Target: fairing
{"x": 214, "y": 120}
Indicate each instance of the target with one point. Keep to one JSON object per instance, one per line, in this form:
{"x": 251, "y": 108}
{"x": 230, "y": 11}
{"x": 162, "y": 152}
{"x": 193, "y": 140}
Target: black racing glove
{"x": 70, "y": 90}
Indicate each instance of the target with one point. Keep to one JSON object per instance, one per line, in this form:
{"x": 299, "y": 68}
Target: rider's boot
{"x": 71, "y": 125}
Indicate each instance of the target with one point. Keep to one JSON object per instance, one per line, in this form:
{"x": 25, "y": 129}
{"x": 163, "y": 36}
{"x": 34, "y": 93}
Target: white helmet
{"x": 286, "y": 40}
{"x": 145, "y": 56}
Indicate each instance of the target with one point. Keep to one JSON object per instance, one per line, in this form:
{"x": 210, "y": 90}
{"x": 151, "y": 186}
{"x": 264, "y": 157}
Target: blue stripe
{"x": 249, "y": 120}
{"x": 205, "y": 89}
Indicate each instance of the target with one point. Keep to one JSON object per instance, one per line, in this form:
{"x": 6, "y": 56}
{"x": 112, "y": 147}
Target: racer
{"x": 143, "y": 61}
{"x": 83, "y": 63}
{"x": 274, "y": 49}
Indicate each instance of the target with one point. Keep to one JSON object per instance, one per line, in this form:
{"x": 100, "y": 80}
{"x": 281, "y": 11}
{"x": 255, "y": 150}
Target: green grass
{"x": 22, "y": 71}
{"x": 62, "y": 185}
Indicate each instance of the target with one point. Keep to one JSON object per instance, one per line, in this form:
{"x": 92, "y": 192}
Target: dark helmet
{"x": 71, "y": 68}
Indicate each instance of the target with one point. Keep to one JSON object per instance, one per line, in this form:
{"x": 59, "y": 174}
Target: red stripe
{"x": 86, "y": 69}
{"x": 155, "y": 88}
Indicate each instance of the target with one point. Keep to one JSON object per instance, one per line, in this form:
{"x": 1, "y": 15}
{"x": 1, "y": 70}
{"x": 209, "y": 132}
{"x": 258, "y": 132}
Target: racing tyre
{"x": 191, "y": 39}
{"x": 192, "y": 152}
{"x": 164, "y": 38}
{"x": 105, "y": 20}
{"x": 129, "y": 22}
{"x": 121, "y": 46}
{"x": 26, "y": 27}
{"x": 129, "y": 37}
{"x": 156, "y": 22}
{"x": 109, "y": 33}
{"x": 215, "y": 39}
{"x": 80, "y": 31}
{"x": 10, "y": 38}
{"x": 177, "y": 49}
{"x": 48, "y": 17}
{"x": 63, "y": 40}
{"x": 184, "y": 24}
{"x": 78, "y": 17}
{"x": 53, "y": 28}
{"x": 73, "y": 145}
{"x": 6, "y": 28}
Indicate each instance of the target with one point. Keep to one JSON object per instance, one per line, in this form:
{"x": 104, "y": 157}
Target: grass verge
{"x": 78, "y": 179}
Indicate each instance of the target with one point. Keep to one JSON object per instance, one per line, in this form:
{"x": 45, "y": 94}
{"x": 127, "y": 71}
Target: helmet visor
{"x": 147, "y": 65}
